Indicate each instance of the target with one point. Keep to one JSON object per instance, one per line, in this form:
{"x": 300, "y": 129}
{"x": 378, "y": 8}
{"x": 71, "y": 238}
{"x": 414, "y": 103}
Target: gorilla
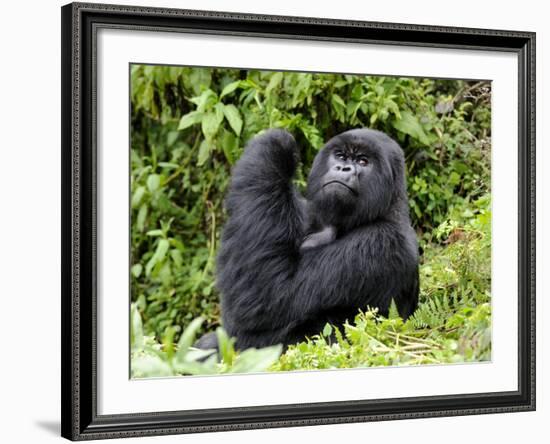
{"x": 287, "y": 265}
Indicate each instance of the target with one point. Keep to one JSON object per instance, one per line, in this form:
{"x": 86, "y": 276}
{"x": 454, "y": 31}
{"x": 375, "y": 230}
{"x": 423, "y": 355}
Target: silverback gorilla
{"x": 288, "y": 265}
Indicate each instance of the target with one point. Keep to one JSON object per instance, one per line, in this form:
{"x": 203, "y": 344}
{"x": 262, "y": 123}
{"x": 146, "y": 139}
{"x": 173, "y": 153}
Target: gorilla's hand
{"x": 262, "y": 178}
{"x": 323, "y": 237}
{"x": 276, "y": 151}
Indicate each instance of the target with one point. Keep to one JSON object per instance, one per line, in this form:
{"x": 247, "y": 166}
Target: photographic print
{"x": 291, "y": 221}
{"x": 273, "y": 221}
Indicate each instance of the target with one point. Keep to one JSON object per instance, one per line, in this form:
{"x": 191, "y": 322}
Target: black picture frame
{"x": 79, "y": 385}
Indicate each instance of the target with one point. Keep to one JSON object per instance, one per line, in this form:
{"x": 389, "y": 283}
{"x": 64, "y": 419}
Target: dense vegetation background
{"x": 189, "y": 125}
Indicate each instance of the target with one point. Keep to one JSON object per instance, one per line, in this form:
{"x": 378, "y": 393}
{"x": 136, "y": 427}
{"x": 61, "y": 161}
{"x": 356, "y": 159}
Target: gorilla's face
{"x": 353, "y": 179}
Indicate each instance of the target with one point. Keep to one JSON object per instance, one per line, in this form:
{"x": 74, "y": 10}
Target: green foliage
{"x": 151, "y": 359}
{"x": 452, "y": 323}
{"x": 189, "y": 126}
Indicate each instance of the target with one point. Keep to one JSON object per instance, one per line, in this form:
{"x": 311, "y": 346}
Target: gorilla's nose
{"x": 344, "y": 170}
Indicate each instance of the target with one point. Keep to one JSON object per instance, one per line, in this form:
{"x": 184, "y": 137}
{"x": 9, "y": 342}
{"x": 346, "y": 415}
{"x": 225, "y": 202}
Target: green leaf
{"x": 187, "y": 338}
{"x": 410, "y": 125}
{"x": 199, "y": 79}
{"x": 340, "y": 338}
{"x": 208, "y": 367}
{"x": 142, "y": 215}
{"x": 233, "y": 117}
{"x": 176, "y": 257}
{"x": 190, "y": 119}
{"x": 254, "y": 360}
{"x": 454, "y": 178}
{"x": 230, "y": 145}
{"x": 327, "y": 330}
{"x": 153, "y": 182}
{"x": 225, "y": 346}
{"x": 136, "y": 270}
{"x": 137, "y": 196}
{"x": 311, "y": 133}
{"x": 172, "y": 137}
{"x": 205, "y": 101}
{"x": 204, "y": 152}
{"x": 274, "y": 82}
{"x": 195, "y": 354}
{"x": 230, "y": 88}
{"x": 150, "y": 366}
{"x": 210, "y": 125}
{"x": 168, "y": 165}
{"x": 393, "y": 313}
{"x": 136, "y": 328}
{"x": 219, "y": 112}
{"x": 338, "y": 101}
{"x": 158, "y": 256}
{"x": 154, "y": 233}
{"x": 168, "y": 342}
{"x": 373, "y": 118}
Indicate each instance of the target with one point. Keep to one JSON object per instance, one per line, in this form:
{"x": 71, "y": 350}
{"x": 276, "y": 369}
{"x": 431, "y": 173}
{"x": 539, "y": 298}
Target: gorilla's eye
{"x": 363, "y": 161}
{"x": 340, "y": 155}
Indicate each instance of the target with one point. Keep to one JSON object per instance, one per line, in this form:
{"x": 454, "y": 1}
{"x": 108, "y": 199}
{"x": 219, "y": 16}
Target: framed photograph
{"x": 273, "y": 221}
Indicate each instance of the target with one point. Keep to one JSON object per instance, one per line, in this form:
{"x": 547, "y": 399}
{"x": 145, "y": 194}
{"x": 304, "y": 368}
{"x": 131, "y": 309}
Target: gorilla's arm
{"x": 268, "y": 285}
{"x": 259, "y": 253}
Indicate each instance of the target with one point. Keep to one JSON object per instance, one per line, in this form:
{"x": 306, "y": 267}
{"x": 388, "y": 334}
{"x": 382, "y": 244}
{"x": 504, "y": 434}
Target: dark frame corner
{"x": 79, "y": 414}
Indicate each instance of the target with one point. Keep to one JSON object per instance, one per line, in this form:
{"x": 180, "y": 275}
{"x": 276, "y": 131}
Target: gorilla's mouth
{"x": 350, "y": 189}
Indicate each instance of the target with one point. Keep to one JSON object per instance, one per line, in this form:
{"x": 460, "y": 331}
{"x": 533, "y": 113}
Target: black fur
{"x": 274, "y": 291}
